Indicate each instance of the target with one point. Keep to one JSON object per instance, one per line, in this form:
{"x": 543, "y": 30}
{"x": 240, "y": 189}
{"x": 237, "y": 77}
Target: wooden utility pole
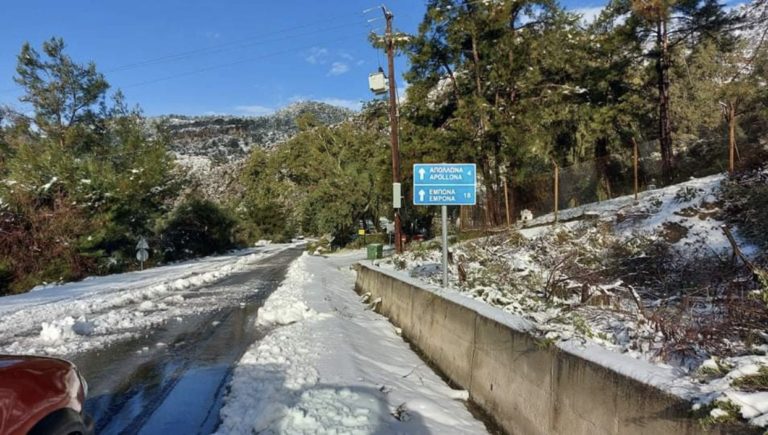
{"x": 393, "y": 121}
{"x": 635, "y": 164}
{"x": 506, "y": 202}
{"x": 729, "y": 114}
{"x": 557, "y": 188}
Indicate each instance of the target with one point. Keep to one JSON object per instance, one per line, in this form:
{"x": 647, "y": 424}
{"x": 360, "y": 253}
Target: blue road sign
{"x": 444, "y": 184}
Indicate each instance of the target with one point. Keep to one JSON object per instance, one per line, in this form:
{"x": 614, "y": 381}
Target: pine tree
{"x": 497, "y": 80}
{"x": 667, "y": 25}
{"x": 62, "y": 92}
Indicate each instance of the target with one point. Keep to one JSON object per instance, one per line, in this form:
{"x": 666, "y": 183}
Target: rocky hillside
{"x": 227, "y": 138}
{"x": 212, "y": 148}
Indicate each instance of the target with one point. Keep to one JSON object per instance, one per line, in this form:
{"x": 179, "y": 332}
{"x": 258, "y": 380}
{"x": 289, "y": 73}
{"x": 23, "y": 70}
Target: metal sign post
{"x": 444, "y": 184}
{"x": 445, "y": 245}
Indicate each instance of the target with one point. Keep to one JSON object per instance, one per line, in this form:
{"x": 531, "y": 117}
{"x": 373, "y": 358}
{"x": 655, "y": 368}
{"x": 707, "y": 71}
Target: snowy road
{"x": 171, "y": 379}
{"x": 328, "y": 364}
{"x": 265, "y": 340}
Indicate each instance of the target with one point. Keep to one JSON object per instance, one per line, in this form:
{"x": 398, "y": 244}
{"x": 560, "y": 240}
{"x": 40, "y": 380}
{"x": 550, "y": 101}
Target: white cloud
{"x": 254, "y": 110}
{"x": 345, "y": 55}
{"x": 338, "y": 68}
{"x": 588, "y": 14}
{"x": 317, "y": 55}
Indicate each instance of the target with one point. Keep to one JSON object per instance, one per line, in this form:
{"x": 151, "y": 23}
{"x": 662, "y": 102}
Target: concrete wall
{"x": 526, "y": 388}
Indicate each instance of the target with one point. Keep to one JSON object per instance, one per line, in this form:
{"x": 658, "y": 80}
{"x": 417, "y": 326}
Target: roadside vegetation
{"x": 746, "y": 199}
{"x": 664, "y": 266}
{"x": 83, "y": 180}
{"x": 324, "y": 181}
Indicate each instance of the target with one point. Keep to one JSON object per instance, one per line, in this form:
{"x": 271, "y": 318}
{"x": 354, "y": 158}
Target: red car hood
{"x": 33, "y": 387}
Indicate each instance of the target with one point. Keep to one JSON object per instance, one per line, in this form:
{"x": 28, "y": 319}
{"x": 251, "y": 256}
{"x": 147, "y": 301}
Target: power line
{"x": 238, "y": 62}
{"x": 224, "y": 47}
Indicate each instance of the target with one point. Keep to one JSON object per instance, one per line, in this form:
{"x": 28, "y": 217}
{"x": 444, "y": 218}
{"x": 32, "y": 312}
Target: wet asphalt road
{"x": 173, "y": 379}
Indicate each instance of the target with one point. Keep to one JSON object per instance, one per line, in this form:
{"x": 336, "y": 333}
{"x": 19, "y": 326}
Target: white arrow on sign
{"x": 421, "y": 173}
{"x": 469, "y": 172}
{"x": 421, "y": 195}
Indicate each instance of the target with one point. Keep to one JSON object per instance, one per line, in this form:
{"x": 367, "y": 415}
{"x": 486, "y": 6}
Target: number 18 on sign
{"x": 444, "y": 184}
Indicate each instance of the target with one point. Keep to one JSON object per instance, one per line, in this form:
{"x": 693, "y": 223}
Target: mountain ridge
{"x": 211, "y": 149}
{"x": 225, "y": 138}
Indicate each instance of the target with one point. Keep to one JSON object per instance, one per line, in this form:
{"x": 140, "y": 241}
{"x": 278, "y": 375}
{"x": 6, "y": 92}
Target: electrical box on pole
{"x": 378, "y": 83}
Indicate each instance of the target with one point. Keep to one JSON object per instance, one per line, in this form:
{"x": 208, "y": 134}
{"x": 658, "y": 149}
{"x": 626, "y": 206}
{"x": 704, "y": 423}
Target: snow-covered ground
{"x": 510, "y": 273}
{"x": 330, "y": 365}
{"x": 598, "y": 304}
{"x": 66, "y": 319}
{"x": 655, "y": 209}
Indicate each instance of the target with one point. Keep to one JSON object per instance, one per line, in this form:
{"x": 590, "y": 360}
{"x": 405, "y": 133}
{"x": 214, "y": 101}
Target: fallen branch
{"x": 736, "y": 251}
{"x": 639, "y": 303}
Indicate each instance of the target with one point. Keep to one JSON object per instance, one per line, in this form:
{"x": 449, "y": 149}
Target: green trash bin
{"x": 375, "y": 251}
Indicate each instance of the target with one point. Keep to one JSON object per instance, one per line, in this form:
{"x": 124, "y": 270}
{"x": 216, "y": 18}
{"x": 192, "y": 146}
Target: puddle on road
{"x": 172, "y": 380}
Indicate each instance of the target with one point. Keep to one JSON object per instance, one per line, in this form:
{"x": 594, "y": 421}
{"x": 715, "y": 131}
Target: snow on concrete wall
{"x": 528, "y": 386}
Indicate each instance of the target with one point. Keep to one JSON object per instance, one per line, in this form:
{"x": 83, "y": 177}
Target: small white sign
{"x": 142, "y": 244}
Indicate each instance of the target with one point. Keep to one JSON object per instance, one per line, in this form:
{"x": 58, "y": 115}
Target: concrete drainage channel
{"x": 524, "y": 387}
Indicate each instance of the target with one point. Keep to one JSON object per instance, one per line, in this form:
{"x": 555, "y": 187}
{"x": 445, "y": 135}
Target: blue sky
{"x": 193, "y": 57}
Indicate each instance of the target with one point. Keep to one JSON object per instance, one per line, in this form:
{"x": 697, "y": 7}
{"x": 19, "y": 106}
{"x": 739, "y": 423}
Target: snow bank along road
{"x": 68, "y": 319}
{"x": 328, "y": 364}
{"x": 171, "y": 334}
